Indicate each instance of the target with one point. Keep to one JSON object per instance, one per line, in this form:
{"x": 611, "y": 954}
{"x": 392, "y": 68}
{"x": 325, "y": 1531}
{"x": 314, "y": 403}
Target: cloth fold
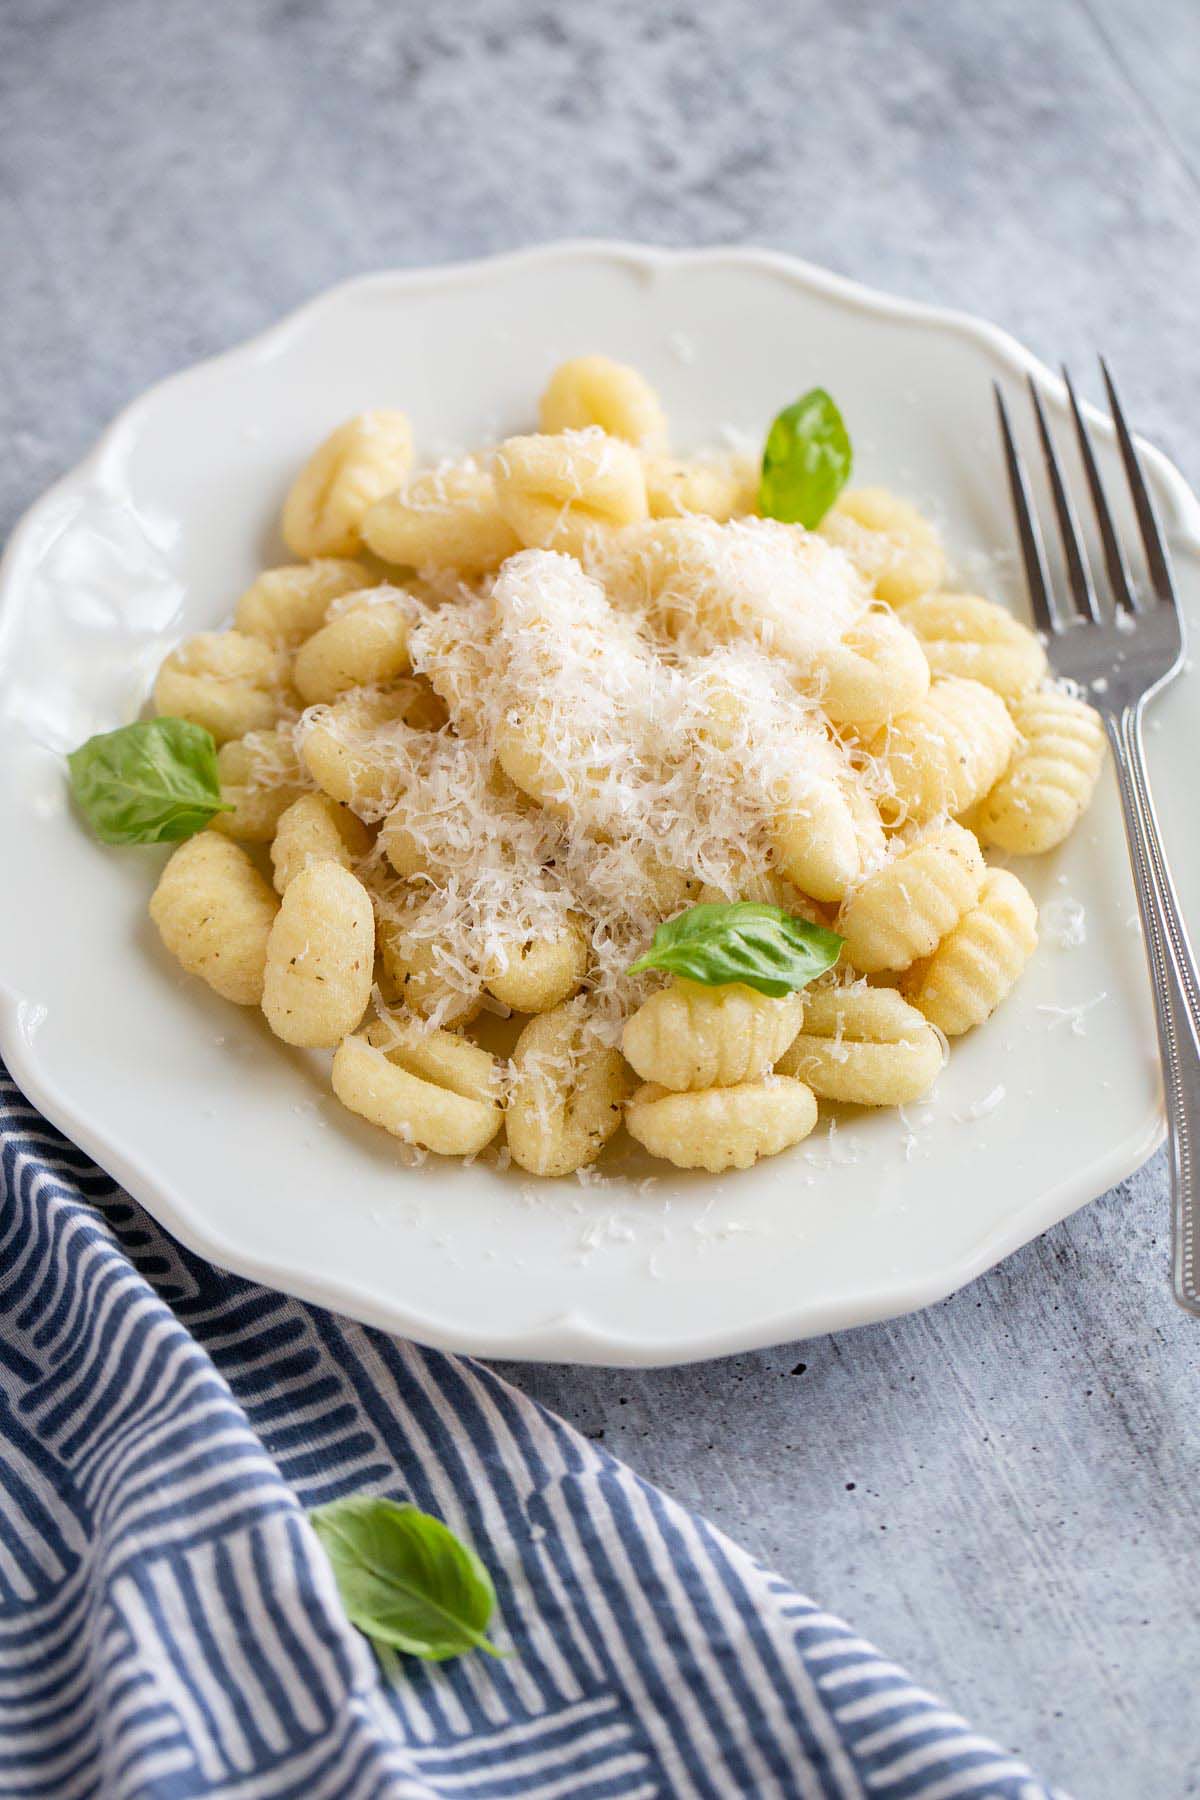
{"x": 169, "y": 1626}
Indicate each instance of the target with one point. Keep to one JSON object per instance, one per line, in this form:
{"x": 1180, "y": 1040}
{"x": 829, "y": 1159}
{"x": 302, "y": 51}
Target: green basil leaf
{"x": 149, "y": 783}
{"x": 404, "y": 1578}
{"x": 761, "y": 946}
{"x": 806, "y": 462}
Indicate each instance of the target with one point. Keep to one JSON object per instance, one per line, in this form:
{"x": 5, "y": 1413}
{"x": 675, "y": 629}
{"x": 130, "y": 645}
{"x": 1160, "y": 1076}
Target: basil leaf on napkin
{"x": 806, "y": 462}
{"x": 152, "y": 782}
{"x": 759, "y": 945}
{"x": 404, "y": 1578}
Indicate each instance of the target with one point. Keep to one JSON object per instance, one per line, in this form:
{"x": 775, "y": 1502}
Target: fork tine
{"x": 1114, "y": 561}
{"x": 1152, "y": 537}
{"x": 1032, "y": 553}
{"x": 1078, "y": 574}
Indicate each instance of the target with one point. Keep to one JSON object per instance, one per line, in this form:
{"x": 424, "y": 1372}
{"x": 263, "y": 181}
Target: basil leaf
{"x": 806, "y": 462}
{"x": 759, "y": 945}
{"x": 149, "y": 783}
{"x": 404, "y": 1578}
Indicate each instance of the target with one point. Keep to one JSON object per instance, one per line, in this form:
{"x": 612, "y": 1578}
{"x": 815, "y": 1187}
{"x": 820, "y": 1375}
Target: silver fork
{"x": 1123, "y": 651}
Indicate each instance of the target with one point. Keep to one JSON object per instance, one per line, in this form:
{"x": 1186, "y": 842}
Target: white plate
{"x": 234, "y": 1142}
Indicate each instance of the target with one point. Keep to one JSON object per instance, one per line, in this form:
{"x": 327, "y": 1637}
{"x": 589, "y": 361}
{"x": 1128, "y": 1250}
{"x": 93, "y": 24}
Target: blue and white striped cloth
{"x": 169, "y": 1626}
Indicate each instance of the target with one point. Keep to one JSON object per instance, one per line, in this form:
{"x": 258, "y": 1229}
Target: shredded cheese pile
{"x": 699, "y": 581}
{"x": 658, "y": 764}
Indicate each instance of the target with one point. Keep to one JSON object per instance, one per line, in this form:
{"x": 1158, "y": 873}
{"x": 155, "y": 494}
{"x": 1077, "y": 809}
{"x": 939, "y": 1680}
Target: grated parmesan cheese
{"x": 703, "y": 583}
{"x": 979, "y": 1109}
{"x": 1074, "y": 1016}
{"x": 658, "y": 773}
{"x": 1064, "y": 921}
{"x": 836, "y": 1153}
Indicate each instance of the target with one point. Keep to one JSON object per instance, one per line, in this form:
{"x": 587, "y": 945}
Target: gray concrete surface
{"x": 1001, "y": 1491}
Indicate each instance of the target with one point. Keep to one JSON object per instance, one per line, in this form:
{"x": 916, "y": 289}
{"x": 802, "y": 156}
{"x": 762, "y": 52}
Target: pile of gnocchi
{"x": 569, "y": 733}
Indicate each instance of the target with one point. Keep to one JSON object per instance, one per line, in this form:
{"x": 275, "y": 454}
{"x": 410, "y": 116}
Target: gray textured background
{"x": 1001, "y": 1491}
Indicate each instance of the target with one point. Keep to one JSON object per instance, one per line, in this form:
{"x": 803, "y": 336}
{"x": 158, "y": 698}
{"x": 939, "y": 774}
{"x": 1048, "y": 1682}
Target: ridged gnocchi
{"x": 366, "y": 645}
{"x": 427, "y": 1094}
{"x": 312, "y": 829}
{"x": 979, "y": 960}
{"x": 963, "y": 634}
{"x": 903, "y": 909}
{"x": 722, "y": 1128}
{"x": 595, "y": 390}
{"x": 690, "y": 1036}
{"x": 898, "y": 551}
{"x": 261, "y": 775}
{"x": 285, "y": 606}
{"x": 1050, "y": 780}
{"x": 948, "y": 752}
{"x": 565, "y": 1097}
{"x": 214, "y": 913}
{"x": 864, "y": 1046}
{"x": 357, "y": 464}
{"x": 227, "y": 682}
{"x": 558, "y": 492}
{"x": 348, "y": 748}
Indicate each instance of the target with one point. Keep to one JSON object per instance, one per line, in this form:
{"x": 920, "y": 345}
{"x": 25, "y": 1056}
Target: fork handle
{"x": 1176, "y": 984}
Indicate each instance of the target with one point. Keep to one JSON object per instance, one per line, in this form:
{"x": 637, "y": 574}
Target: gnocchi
{"x": 948, "y": 752}
{"x": 426, "y": 1106}
{"x": 357, "y": 464}
{"x": 348, "y": 748}
{"x": 320, "y": 957}
{"x": 904, "y": 908}
{"x": 261, "y": 776}
{"x": 865, "y": 1046}
{"x": 878, "y": 669}
{"x": 977, "y": 963}
{"x": 594, "y": 390}
{"x": 962, "y": 634}
{"x": 566, "y": 1097}
{"x": 447, "y": 518}
{"x": 1050, "y": 780}
{"x": 537, "y": 975}
{"x": 559, "y": 492}
{"x": 720, "y": 487}
{"x": 312, "y": 829}
{"x": 366, "y": 645}
{"x": 445, "y": 1057}
{"x": 416, "y": 973}
{"x": 227, "y": 682}
{"x": 215, "y": 913}
{"x": 896, "y": 550}
{"x": 285, "y": 606}
{"x": 722, "y": 1128}
{"x": 825, "y": 830}
{"x": 690, "y": 1036}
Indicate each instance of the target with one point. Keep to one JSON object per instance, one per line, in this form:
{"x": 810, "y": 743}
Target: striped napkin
{"x": 169, "y": 1626}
